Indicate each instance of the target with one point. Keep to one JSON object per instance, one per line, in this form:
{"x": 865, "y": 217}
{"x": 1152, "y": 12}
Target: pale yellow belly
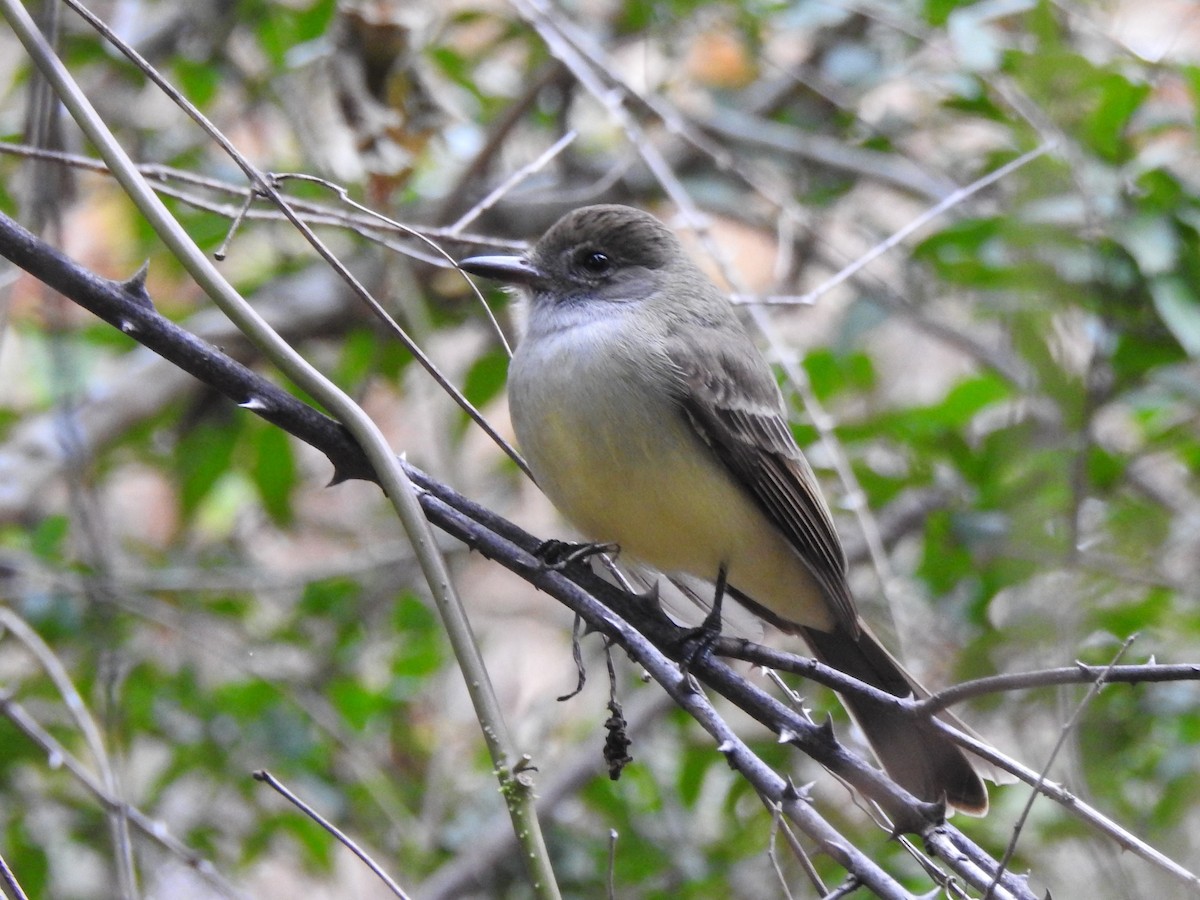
{"x": 642, "y": 478}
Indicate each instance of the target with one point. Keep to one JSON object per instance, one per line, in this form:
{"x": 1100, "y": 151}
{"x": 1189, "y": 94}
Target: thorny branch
{"x": 127, "y": 307}
{"x": 342, "y": 453}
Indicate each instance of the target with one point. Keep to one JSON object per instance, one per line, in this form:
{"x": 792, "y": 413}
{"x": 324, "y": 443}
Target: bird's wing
{"x": 733, "y": 404}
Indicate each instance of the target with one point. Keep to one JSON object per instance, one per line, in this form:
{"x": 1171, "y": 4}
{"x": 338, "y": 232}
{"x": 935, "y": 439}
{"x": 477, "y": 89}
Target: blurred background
{"x": 1002, "y": 407}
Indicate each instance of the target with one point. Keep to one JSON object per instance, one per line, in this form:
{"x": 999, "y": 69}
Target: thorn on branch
{"x": 791, "y": 792}
{"x": 825, "y": 732}
{"x": 134, "y": 287}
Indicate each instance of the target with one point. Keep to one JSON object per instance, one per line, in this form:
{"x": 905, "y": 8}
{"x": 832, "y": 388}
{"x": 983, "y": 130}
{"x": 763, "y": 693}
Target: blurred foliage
{"x": 1032, "y": 357}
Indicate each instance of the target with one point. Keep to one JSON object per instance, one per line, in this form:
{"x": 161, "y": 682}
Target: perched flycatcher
{"x": 649, "y": 418}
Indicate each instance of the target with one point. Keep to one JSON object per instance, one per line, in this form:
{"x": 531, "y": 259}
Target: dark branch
{"x": 125, "y": 306}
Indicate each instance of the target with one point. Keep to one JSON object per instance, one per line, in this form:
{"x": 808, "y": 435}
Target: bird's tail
{"x": 920, "y": 758}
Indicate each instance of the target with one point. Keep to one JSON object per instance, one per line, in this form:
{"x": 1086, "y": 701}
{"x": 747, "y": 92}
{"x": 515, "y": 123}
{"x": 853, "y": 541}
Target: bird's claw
{"x": 557, "y": 555}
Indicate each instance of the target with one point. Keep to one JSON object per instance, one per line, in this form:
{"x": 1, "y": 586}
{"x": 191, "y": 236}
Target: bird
{"x": 650, "y": 419}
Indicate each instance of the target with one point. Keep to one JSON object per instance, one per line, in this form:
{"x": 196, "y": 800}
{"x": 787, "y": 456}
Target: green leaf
{"x": 1179, "y": 308}
{"x": 945, "y": 560}
{"x": 1105, "y": 470}
{"x": 199, "y": 80}
{"x": 1104, "y": 128}
{"x": 967, "y": 398}
{"x": 274, "y": 473}
{"x": 1159, "y": 192}
{"x": 359, "y": 353}
{"x": 47, "y": 538}
{"x": 356, "y": 703}
{"x": 202, "y": 455}
{"x": 937, "y": 12}
{"x": 282, "y": 27}
{"x": 831, "y": 373}
{"x": 969, "y": 253}
{"x": 1129, "y": 617}
{"x": 245, "y": 700}
{"x": 695, "y": 765}
{"x": 420, "y": 650}
{"x": 486, "y": 377}
{"x": 1139, "y": 354}
{"x": 334, "y": 598}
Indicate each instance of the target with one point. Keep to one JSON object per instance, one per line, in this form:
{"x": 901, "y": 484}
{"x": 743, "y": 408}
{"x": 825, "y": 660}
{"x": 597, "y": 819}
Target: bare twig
{"x": 9, "y": 880}
{"x": 59, "y": 757}
{"x": 610, "y": 879}
{"x": 267, "y": 778}
{"x": 384, "y": 316}
{"x": 395, "y": 481}
{"x": 750, "y": 130}
{"x": 1076, "y": 807}
{"x": 514, "y": 179}
{"x": 369, "y": 226}
{"x": 779, "y": 826}
{"x": 72, "y": 700}
{"x": 1077, "y": 674}
{"x": 500, "y": 540}
{"x": 947, "y": 203}
{"x": 1064, "y": 732}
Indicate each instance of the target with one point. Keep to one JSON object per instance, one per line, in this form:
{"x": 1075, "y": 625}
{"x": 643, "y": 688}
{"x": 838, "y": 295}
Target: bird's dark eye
{"x": 593, "y": 261}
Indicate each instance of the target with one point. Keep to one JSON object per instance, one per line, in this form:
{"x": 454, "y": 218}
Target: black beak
{"x": 508, "y": 269}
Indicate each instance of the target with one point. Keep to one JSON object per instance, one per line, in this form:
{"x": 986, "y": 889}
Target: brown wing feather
{"x": 745, "y": 428}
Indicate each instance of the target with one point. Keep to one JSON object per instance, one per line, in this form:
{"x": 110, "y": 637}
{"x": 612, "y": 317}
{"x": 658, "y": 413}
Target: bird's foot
{"x": 557, "y": 555}
{"x": 697, "y": 643}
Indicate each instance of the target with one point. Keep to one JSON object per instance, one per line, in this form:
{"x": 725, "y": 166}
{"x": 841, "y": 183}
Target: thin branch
{"x": 751, "y": 130}
{"x": 806, "y": 667}
{"x": 72, "y": 700}
{"x": 267, "y": 778}
{"x": 1077, "y": 674}
{"x": 367, "y": 226}
{"x": 9, "y": 880}
{"x": 1124, "y": 838}
{"x": 386, "y": 318}
{"x": 501, "y": 540}
{"x": 514, "y": 179}
{"x": 58, "y": 756}
{"x": 779, "y": 826}
{"x": 208, "y": 277}
{"x": 1064, "y": 732}
{"x": 947, "y": 203}
{"x": 397, "y": 486}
